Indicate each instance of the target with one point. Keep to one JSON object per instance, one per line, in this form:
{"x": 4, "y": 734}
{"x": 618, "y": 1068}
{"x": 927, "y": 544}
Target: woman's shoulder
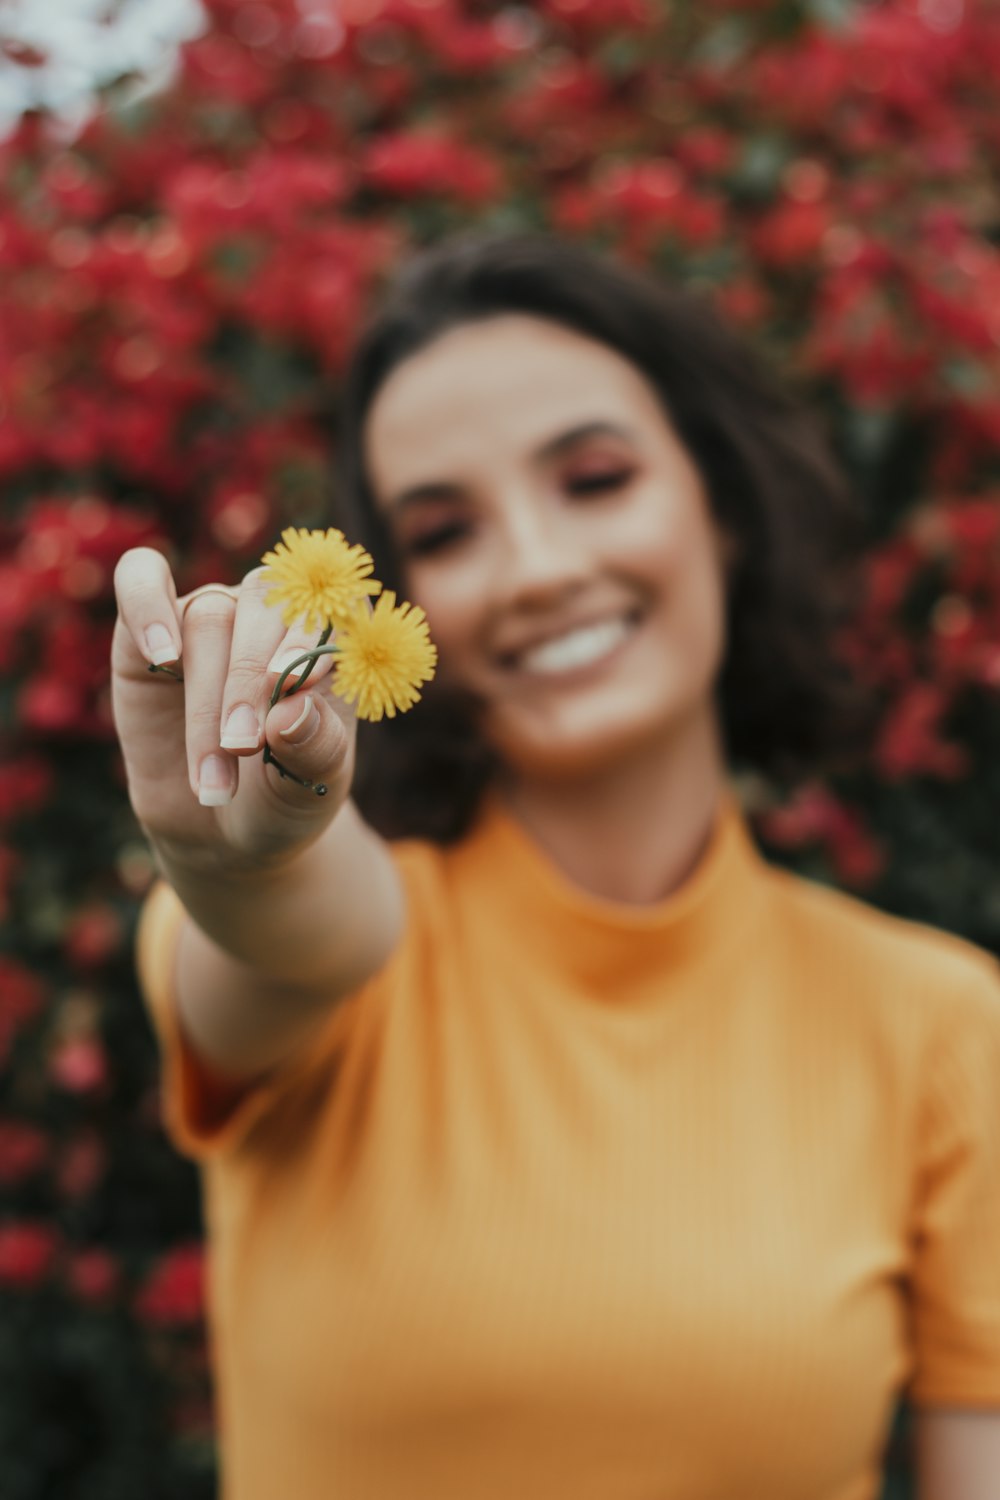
{"x": 865, "y": 946}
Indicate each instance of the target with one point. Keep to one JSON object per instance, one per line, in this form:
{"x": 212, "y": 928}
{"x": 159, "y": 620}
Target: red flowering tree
{"x": 182, "y": 284}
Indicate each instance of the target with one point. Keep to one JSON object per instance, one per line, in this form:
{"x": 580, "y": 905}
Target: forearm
{"x": 305, "y": 922}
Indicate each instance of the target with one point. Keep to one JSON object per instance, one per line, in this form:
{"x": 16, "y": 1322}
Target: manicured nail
{"x": 305, "y": 725}
{"x": 215, "y": 781}
{"x": 282, "y": 659}
{"x": 160, "y": 647}
{"x": 242, "y": 731}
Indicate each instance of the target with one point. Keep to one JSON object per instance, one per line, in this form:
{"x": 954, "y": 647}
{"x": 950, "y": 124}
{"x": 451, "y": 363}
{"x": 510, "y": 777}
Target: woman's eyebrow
{"x": 441, "y": 489}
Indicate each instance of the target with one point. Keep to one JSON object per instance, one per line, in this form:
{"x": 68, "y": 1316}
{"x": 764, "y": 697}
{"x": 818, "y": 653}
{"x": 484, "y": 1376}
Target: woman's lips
{"x": 574, "y": 650}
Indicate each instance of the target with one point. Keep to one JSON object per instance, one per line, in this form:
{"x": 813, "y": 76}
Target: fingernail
{"x": 160, "y": 647}
{"x": 215, "y": 781}
{"x": 282, "y": 659}
{"x": 242, "y": 731}
{"x": 305, "y": 725}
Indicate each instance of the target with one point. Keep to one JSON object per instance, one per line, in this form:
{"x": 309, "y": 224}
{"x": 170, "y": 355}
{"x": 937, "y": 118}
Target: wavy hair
{"x": 788, "y": 704}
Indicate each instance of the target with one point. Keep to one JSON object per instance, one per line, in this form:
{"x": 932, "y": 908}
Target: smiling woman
{"x": 616, "y": 1162}
{"x": 588, "y": 622}
{"x": 521, "y": 399}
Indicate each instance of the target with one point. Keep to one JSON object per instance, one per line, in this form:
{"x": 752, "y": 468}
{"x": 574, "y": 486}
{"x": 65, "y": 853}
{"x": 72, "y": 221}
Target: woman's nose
{"x": 539, "y": 556}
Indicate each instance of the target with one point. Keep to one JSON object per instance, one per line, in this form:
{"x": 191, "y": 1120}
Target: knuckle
{"x": 202, "y": 719}
{"x": 211, "y": 609}
{"x": 258, "y": 581}
{"x": 245, "y": 682}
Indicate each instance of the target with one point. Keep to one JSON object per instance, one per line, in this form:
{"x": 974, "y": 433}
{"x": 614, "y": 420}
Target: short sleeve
{"x": 202, "y": 1110}
{"x": 955, "y": 1275}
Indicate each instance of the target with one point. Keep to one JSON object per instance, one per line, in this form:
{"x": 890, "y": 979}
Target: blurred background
{"x": 198, "y": 201}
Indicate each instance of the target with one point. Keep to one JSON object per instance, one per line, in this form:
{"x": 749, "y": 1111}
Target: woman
{"x": 553, "y": 1142}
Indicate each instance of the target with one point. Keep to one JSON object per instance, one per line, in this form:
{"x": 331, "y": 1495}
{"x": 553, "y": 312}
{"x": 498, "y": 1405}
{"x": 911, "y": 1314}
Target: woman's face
{"x": 557, "y": 534}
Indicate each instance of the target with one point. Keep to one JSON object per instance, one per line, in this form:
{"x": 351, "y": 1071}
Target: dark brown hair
{"x": 788, "y": 705}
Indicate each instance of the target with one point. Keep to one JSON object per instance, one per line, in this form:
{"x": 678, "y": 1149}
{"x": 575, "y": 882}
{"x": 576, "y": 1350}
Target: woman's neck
{"x": 634, "y": 832}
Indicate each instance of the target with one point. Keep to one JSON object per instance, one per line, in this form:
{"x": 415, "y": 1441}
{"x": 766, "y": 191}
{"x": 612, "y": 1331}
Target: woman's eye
{"x": 592, "y": 484}
{"x": 436, "y": 540}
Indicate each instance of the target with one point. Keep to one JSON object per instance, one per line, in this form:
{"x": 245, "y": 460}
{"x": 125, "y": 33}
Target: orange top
{"x": 575, "y": 1198}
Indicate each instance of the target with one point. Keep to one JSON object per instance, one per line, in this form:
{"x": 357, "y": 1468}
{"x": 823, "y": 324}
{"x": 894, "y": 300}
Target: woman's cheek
{"x": 454, "y": 615}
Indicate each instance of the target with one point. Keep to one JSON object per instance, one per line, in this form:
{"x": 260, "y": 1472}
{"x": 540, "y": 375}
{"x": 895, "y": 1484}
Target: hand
{"x": 209, "y": 802}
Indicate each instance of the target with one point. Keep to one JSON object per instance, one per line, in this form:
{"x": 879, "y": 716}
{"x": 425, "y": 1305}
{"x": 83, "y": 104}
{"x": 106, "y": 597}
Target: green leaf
{"x": 762, "y": 163}
{"x": 724, "y": 45}
{"x": 965, "y": 378}
{"x": 834, "y": 15}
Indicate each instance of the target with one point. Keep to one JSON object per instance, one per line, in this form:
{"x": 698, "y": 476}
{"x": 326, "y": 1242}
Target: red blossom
{"x": 409, "y": 163}
{"x": 70, "y": 546}
{"x": 51, "y": 706}
{"x": 80, "y": 1165}
{"x": 24, "y": 1149}
{"x": 22, "y": 999}
{"x": 652, "y": 198}
{"x": 706, "y": 148}
{"x": 468, "y": 47}
{"x": 595, "y": 16}
{"x": 791, "y": 234}
{"x": 93, "y": 936}
{"x": 25, "y": 785}
{"x": 11, "y": 861}
{"x": 802, "y": 83}
{"x": 910, "y": 742}
{"x": 27, "y": 1253}
{"x": 564, "y": 87}
{"x": 974, "y": 524}
{"x": 857, "y": 856}
{"x": 93, "y": 1275}
{"x": 814, "y": 815}
{"x": 890, "y": 573}
{"x": 79, "y": 1065}
{"x": 743, "y": 302}
{"x": 802, "y": 820}
{"x": 175, "y": 1291}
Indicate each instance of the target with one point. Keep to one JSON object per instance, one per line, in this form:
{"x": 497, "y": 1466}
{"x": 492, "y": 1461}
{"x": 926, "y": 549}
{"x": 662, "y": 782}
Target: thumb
{"x": 313, "y": 736}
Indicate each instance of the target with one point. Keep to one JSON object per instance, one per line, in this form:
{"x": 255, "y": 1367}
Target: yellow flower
{"x": 382, "y": 656}
{"x": 319, "y": 575}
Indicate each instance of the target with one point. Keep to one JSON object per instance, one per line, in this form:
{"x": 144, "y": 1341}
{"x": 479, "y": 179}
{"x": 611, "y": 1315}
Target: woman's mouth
{"x": 577, "y": 649}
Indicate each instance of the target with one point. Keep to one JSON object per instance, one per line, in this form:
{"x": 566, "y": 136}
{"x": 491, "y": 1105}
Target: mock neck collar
{"x": 608, "y": 943}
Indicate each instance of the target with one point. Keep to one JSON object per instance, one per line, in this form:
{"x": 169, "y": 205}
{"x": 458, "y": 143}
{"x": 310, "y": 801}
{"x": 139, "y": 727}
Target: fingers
{"x": 229, "y": 650}
{"x": 147, "y": 607}
{"x": 312, "y": 734}
{"x": 148, "y": 707}
{"x": 312, "y": 740}
{"x": 232, "y": 651}
{"x": 259, "y": 652}
{"x": 208, "y": 630}
{"x": 245, "y": 686}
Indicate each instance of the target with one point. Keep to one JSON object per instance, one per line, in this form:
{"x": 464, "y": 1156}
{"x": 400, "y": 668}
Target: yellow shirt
{"x": 578, "y": 1199}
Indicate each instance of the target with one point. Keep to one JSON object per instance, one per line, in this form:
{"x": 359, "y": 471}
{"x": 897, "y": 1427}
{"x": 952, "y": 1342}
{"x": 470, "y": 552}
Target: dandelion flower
{"x": 383, "y": 654}
{"x": 319, "y": 576}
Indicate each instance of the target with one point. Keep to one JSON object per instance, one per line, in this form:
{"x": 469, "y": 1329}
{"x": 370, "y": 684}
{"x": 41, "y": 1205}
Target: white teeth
{"x": 577, "y": 648}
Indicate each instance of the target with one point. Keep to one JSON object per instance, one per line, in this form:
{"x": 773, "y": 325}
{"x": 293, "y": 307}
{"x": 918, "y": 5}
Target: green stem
{"x": 311, "y": 656}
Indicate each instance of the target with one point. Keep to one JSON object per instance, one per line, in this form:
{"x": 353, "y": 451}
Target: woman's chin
{"x": 566, "y": 755}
